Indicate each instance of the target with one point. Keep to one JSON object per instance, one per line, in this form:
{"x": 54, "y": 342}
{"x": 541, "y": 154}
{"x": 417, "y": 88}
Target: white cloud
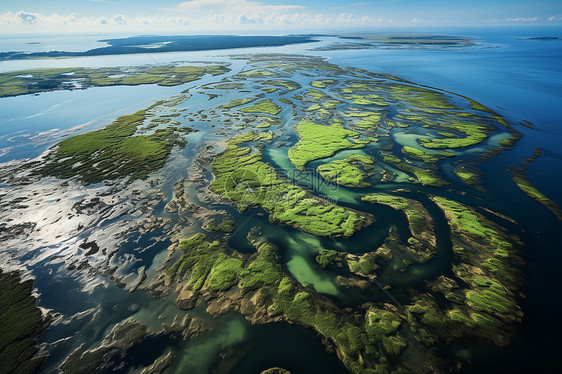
{"x": 23, "y": 18}
{"x": 525, "y": 19}
{"x": 522, "y": 19}
{"x": 248, "y": 16}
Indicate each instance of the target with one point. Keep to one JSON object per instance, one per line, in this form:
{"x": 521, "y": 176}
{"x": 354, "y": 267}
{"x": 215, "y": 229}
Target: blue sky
{"x": 280, "y": 16}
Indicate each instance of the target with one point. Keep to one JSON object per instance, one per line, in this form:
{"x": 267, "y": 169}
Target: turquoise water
{"x": 521, "y": 79}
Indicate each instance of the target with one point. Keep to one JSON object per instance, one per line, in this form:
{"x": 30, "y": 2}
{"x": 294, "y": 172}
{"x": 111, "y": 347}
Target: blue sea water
{"x": 518, "y": 77}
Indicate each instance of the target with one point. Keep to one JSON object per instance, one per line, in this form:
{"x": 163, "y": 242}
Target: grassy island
{"x": 242, "y": 176}
{"x": 526, "y": 186}
{"x": 283, "y": 83}
{"x": 424, "y": 156}
{"x": 237, "y": 102}
{"x": 263, "y": 106}
{"x": 350, "y": 172}
{"x": 319, "y": 141}
{"x": 114, "y": 151}
{"x": 41, "y": 80}
{"x": 424, "y": 176}
{"x": 22, "y": 323}
{"x": 474, "y": 134}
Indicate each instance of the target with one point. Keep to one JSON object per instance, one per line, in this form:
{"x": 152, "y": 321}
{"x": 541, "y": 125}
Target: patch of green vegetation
{"x": 319, "y": 141}
{"x": 350, "y": 172}
{"x": 313, "y": 107}
{"x": 420, "y": 97}
{"x": 141, "y": 79}
{"x": 365, "y": 265}
{"x": 228, "y": 86}
{"x": 467, "y": 176}
{"x": 382, "y": 325}
{"x": 257, "y": 73}
{"x": 496, "y": 253}
{"x": 283, "y": 83}
{"x": 113, "y": 152}
{"x": 226, "y": 226}
{"x": 41, "y": 80}
{"x": 237, "y": 102}
{"x": 365, "y": 119}
{"x": 510, "y": 141}
{"x": 424, "y": 176}
{"x": 477, "y": 106}
{"x": 286, "y": 101}
{"x": 326, "y": 257}
{"x": 462, "y": 218}
{"x": 475, "y": 134}
{"x": 242, "y": 176}
{"x": 21, "y": 323}
{"x": 317, "y": 95}
{"x": 491, "y": 300}
{"x": 332, "y": 104}
{"x": 527, "y": 187}
{"x": 323, "y": 83}
{"x": 225, "y": 274}
{"x": 270, "y": 89}
{"x": 263, "y": 270}
{"x": 214, "y": 266}
{"x": 424, "y": 156}
{"x": 361, "y": 100}
{"x": 263, "y": 106}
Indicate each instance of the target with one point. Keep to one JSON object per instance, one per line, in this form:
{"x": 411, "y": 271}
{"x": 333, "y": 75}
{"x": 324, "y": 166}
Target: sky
{"x": 265, "y": 16}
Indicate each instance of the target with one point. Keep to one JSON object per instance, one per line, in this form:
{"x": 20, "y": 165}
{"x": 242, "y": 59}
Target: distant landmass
{"x": 546, "y": 38}
{"x": 398, "y": 40}
{"x": 182, "y": 43}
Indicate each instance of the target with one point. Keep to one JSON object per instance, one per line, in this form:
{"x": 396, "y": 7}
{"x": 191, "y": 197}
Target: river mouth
{"x": 226, "y": 349}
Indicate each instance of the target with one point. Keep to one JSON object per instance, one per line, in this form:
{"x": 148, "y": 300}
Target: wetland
{"x": 346, "y": 211}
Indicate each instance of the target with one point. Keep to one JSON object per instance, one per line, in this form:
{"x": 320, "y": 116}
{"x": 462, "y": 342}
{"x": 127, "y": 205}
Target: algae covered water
{"x": 88, "y": 294}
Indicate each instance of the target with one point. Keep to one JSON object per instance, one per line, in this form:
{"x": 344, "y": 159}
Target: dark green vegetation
{"x": 401, "y": 40}
{"x": 242, "y": 176}
{"x": 114, "y": 151}
{"x": 150, "y": 44}
{"x": 40, "y": 80}
{"x": 350, "y": 172}
{"x": 21, "y": 322}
